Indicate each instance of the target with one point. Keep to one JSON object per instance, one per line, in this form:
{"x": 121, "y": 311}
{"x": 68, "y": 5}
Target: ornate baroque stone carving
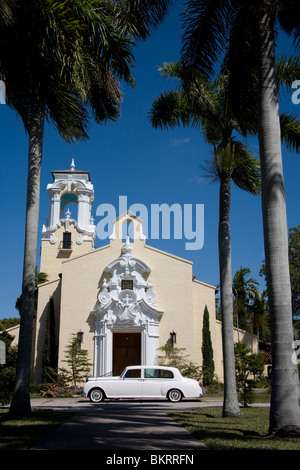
{"x": 127, "y": 308}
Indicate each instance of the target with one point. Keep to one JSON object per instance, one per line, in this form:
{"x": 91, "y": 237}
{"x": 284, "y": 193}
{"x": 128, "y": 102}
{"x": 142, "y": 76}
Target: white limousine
{"x": 143, "y": 382}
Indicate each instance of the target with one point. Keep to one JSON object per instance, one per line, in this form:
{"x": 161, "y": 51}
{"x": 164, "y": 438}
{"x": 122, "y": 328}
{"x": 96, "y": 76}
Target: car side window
{"x": 133, "y": 374}
{"x": 167, "y": 374}
{"x": 151, "y": 374}
{"x": 158, "y": 374}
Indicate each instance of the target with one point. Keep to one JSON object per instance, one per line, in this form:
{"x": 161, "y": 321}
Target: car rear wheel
{"x": 96, "y": 395}
{"x": 174, "y": 395}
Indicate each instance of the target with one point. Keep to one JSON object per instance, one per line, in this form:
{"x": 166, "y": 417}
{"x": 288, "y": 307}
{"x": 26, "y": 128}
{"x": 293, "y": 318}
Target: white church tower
{"x": 69, "y": 230}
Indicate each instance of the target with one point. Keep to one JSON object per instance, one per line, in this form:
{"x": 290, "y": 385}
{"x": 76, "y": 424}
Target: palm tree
{"x": 244, "y": 293}
{"x": 247, "y": 32}
{"x": 235, "y": 163}
{"x": 206, "y": 104}
{"x": 42, "y": 92}
{"x": 260, "y": 316}
{"x": 70, "y": 56}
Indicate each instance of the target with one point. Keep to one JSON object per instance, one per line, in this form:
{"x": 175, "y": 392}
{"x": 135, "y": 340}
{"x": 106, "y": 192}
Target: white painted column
{"x": 150, "y": 344}
{"x": 54, "y": 214}
{"x": 103, "y": 349}
{"x": 84, "y": 201}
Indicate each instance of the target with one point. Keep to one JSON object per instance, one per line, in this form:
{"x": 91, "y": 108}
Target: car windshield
{"x": 132, "y": 374}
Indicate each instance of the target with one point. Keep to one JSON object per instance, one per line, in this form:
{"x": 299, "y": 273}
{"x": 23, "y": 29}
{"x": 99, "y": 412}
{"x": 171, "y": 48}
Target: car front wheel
{"x": 96, "y": 395}
{"x": 174, "y": 395}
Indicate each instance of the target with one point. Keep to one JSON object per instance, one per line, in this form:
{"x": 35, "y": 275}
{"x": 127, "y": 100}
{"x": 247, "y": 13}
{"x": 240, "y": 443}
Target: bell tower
{"x": 64, "y": 235}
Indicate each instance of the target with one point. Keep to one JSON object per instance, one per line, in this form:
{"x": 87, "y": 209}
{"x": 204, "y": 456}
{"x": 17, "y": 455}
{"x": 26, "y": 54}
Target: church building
{"x": 124, "y": 300}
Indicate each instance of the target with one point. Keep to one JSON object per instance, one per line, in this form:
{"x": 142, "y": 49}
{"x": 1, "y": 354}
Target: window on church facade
{"x": 66, "y": 244}
{"x": 127, "y": 284}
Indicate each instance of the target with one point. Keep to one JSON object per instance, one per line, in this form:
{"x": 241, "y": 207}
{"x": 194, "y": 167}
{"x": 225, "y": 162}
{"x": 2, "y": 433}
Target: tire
{"x": 96, "y": 395}
{"x": 174, "y": 395}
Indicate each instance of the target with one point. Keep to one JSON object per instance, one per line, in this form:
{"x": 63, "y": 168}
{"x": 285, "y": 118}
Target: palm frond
{"x": 212, "y": 170}
{"x": 171, "y": 70}
{"x": 246, "y": 173}
{"x": 235, "y": 161}
{"x": 290, "y": 131}
{"x": 191, "y": 103}
{"x": 205, "y": 25}
{"x": 6, "y": 15}
{"x": 138, "y": 18}
{"x": 288, "y": 14}
{"x": 287, "y": 71}
{"x": 68, "y": 115}
{"x": 242, "y": 76}
{"x": 171, "y": 109}
{"x": 71, "y": 61}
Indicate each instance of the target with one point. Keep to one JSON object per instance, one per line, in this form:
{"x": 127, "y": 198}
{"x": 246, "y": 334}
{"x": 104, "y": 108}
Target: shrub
{"x": 248, "y": 365}
{"x": 57, "y": 391}
{"x": 7, "y": 380}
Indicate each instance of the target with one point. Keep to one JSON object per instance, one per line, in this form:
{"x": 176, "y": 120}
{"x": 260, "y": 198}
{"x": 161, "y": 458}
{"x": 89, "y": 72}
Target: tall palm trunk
{"x": 21, "y": 401}
{"x": 230, "y": 406}
{"x": 285, "y": 381}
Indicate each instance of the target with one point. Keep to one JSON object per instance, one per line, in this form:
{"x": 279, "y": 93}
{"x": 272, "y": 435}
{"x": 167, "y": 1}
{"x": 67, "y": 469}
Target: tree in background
{"x": 248, "y": 366}
{"x": 208, "y": 365}
{"x": 176, "y": 357}
{"x": 8, "y": 370}
{"x": 50, "y": 346}
{"x": 294, "y": 258}
{"x": 294, "y": 267}
{"x": 78, "y": 364}
{"x": 244, "y": 291}
{"x": 8, "y": 323}
{"x": 260, "y": 318}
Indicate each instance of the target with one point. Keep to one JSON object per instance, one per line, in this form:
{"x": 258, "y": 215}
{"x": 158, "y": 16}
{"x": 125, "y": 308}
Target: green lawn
{"x": 22, "y": 434}
{"x": 249, "y": 432}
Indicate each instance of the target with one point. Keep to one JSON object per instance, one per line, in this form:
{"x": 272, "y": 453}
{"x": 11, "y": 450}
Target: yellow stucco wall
{"x": 204, "y": 295}
{"x": 45, "y": 292}
{"x": 52, "y": 256}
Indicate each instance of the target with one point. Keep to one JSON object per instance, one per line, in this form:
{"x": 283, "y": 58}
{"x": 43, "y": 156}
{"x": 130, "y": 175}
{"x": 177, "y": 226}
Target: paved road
{"x": 115, "y": 425}
{"x": 80, "y": 404}
{"x": 122, "y": 425}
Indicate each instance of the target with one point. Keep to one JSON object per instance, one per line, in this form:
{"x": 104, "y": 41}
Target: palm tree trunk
{"x": 284, "y": 409}
{"x": 230, "y": 406}
{"x": 21, "y": 401}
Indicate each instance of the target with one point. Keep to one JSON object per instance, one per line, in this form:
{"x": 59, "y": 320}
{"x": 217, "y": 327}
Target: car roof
{"x": 151, "y": 367}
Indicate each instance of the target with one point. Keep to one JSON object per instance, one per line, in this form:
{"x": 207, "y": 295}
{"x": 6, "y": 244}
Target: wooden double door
{"x": 126, "y": 350}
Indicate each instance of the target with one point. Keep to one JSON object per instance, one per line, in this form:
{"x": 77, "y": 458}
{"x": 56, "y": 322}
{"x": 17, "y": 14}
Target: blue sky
{"x": 129, "y": 158}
